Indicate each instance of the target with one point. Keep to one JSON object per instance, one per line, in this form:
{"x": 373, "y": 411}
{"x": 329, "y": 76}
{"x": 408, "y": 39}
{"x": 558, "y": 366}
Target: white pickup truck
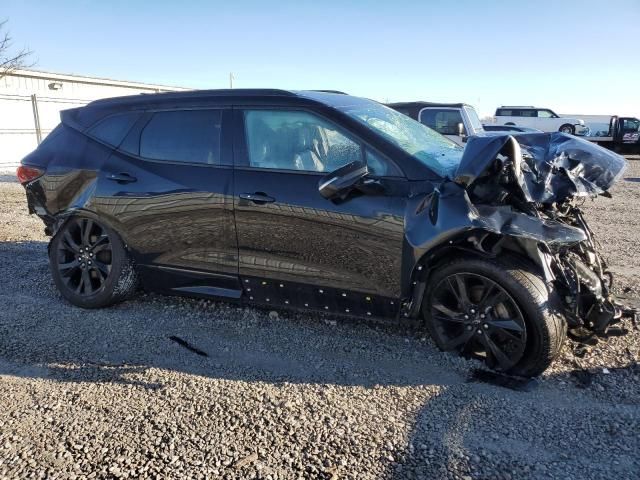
{"x": 456, "y": 121}
{"x": 543, "y": 119}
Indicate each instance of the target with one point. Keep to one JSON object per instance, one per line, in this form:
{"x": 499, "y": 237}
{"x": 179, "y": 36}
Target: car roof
{"x": 197, "y": 95}
{"x": 83, "y": 117}
{"x": 331, "y": 102}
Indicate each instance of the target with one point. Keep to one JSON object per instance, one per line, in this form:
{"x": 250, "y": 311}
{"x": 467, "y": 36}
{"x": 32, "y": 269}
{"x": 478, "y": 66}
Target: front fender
{"x": 445, "y": 221}
{"x": 447, "y": 213}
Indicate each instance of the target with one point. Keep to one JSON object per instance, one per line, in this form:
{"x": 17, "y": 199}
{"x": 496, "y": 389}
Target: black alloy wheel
{"x": 90, "y": 264}
{"x": 474, "y": 315}
{"x": 84, "y": 256}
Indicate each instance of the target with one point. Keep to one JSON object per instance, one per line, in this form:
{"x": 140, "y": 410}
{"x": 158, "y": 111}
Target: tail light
{"x": 26, "y": 174}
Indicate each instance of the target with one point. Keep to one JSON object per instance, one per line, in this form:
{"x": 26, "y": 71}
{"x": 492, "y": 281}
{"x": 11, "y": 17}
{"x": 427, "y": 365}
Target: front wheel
{"x": 90, "y": 265}
{"x": 567, "y": 128}
{"x": 499, "y": 312}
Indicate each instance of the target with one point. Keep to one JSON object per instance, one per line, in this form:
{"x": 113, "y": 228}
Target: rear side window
{"x": 444, "y": 122}
{"x": 528, "y": 113}
{"x": 504, "y": 113}
{"x": 114, "y": 128}
{"x": 189, "y": 136}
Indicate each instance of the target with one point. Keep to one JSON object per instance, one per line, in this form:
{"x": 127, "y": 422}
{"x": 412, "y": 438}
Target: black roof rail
{"x": 228, "y": 92}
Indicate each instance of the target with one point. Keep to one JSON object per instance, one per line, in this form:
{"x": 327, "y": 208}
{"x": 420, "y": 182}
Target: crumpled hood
{"x": 549, "y": 167}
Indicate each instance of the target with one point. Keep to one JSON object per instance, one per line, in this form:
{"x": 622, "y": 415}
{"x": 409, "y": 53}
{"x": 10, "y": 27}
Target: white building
{"x": 31, "y": 101}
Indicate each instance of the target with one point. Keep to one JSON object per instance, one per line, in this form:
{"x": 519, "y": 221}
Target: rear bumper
{"x": 35, "y": 205}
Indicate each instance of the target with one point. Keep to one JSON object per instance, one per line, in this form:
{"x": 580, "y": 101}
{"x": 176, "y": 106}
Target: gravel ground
{"x": 107, "y": 394}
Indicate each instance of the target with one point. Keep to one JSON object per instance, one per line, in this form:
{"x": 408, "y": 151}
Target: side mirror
{"x": 341, "y": 181}
{"x": 461, "y": 129}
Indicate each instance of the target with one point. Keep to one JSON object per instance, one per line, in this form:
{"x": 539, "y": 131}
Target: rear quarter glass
{"x": 113, "y": 129}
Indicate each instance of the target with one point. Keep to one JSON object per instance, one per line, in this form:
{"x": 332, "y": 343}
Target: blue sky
{"x": 571, "y": 56}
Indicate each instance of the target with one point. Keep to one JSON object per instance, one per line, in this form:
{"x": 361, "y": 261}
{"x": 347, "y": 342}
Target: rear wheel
{"x": 567, "y": 128}
{"x": 90, "y": 265}
{"x": 497, "y": 312}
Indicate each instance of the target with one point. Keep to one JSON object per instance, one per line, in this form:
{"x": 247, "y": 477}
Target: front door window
{"x": 297, "y": 140}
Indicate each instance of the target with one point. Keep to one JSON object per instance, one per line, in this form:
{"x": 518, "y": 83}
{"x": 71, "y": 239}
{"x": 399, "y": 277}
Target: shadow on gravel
{"x": 210, "y": 339}
{"x": 527, "y": 434}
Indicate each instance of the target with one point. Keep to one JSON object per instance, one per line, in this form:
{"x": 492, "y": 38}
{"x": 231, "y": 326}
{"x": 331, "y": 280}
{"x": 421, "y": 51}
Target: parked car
{"x": 324, "y": 201}
{"x": 509, "y": 129}
{"x": 543, "y": 119}
{"x": 456, "y": 121}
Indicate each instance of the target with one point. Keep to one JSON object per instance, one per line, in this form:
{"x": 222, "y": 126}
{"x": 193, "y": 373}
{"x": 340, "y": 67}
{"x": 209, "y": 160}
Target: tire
{"x": 524, "y": 297}
{"x": 567, "y": 128}
{"x": 510, "y": 123}
{"x": 90, "y": 264}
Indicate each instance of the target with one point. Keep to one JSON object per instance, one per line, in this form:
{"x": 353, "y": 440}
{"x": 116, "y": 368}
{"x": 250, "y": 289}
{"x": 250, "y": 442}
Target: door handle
{"x": 259, "y": 197}
{"x": 121, "y": 177}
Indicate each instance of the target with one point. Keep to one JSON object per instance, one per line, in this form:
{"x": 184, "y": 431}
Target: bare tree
{"x": 11, "y": 61}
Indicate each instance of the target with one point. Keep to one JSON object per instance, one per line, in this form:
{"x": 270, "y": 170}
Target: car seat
{"x": 307, "y": 156}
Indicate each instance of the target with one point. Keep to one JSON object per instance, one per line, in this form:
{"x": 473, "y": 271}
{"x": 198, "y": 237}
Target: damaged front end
{"x": 547, "y": 177}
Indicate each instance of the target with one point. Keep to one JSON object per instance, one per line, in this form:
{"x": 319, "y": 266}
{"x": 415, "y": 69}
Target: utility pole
{"x": 231, "y": 79}
{"x": 36, "y": 118}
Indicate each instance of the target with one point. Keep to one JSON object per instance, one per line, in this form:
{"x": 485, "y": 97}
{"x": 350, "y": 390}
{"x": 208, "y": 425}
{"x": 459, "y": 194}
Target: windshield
{"x": 476, "y": 125}
{"x": 432, "y": 149}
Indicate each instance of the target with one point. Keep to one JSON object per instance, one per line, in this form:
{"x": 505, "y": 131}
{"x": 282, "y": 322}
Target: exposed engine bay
{"x": 547, "y": 177}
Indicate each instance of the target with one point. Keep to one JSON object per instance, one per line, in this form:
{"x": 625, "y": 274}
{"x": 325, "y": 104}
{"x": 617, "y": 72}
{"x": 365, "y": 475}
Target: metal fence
{"x": 25, "y": 120}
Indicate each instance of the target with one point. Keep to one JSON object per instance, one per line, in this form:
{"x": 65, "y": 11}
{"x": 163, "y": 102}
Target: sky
{"x": 570, "y": 56}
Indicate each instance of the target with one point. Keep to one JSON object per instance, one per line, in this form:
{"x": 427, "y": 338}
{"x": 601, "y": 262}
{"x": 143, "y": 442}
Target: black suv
{"x": 324, "y": 201}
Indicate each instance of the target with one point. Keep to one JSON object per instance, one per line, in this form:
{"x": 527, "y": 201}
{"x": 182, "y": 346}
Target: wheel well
{"x": 61, "y": 219}
{"x": 446, "y": 254}
{"x": 478, "y": 244}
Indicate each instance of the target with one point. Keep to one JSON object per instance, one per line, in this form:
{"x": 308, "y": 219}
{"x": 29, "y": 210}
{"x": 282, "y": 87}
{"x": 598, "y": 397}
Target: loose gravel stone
{"x": 107, "y": 393}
